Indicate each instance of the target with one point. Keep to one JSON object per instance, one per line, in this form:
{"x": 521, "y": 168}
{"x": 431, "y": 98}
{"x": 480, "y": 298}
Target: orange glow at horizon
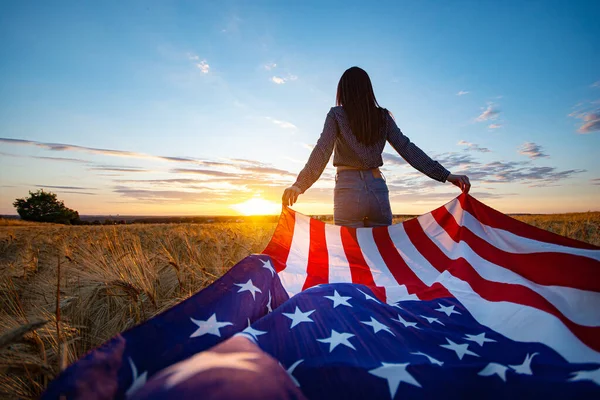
{"x": 257, "y": 206}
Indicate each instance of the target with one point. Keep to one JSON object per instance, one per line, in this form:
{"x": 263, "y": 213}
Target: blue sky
{"x": 192, "y": 107}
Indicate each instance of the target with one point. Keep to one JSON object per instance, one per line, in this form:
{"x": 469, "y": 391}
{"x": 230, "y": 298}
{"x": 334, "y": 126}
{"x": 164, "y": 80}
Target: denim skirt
{"x": 361, "y": 199}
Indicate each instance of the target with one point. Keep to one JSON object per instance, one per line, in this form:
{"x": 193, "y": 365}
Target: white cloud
{"x": 596, "y": 84}
{"x": 590, "y": 118}
{"x": 473, "y": 147}
{"x": 495, "y": 126}
{"x": 281, "y": 80}
{"x": 490, "y": 113}
{"x": 269, "y": 66}
{"x": 192, "y": 57}
{"x": 462, "y": 93}
{"x": 531, "y": 150}
{"x": 203, "y": 66}
{"x": 282, "y": 124}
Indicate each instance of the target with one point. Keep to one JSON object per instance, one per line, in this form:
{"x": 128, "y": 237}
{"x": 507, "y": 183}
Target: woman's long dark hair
{"x": 355, "y": 94}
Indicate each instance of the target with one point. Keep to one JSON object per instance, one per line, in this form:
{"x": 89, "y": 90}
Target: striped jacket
{"x": 338, "y": 136}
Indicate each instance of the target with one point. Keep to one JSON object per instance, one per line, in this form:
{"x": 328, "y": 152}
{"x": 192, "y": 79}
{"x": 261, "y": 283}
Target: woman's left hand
{"x": 290, "y": 195}
{"x": 462, "y": 181}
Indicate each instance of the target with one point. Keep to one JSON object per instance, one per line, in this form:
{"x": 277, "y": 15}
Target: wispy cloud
{"x": 207, "y": 172}
{"x": 531, "y": 150}
{"x": 591, "y": 120}
{"x": 267, "y": 170}
{"x": 282, "y": 124}
{"x": 473, "y": 147}
{"x": 167, "y": 181}
{"x": 93, "y": 150}
{"x": 595, "y": 181}
{"x": 61, "y": 159}
{"x": 462, "y": 93}
{"x": 495, "y": 172}
{"x": 393, "y": 159}
{"x": 117, "y": 169}
{"x": 64, "y": 187}
{"x": 165, "y": 196}
{"x": 280, "y": 80}
{"x": 589, "y": 113}
{"x": 203, "y": 66}
{"x": 269, "y": 66}
{"x": 490, "y": 113}
{"x": 495, "y": 126}
{"x": 72, "y": 147}
{"x": 77, "y": 192}
{"x": 306, "y": 146}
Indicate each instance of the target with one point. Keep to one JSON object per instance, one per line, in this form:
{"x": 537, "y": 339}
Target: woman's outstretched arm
{"x": 319, "y": 157}
{"x": 421, "y": 161}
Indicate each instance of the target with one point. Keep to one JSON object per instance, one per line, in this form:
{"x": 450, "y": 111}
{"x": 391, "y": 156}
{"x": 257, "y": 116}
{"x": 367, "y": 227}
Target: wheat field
{"x": 66, "y": 289}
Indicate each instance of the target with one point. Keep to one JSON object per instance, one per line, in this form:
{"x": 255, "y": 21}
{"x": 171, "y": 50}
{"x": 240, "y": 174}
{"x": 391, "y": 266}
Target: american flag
{"x": 461, "y": 302}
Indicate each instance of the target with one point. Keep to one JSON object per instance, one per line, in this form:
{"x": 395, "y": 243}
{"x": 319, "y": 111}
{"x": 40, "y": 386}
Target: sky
{"x": 212, "y": 108}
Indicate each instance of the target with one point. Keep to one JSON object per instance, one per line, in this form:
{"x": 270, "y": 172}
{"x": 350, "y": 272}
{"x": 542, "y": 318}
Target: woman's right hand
{"x": 290, "y": 195}
{"x": 462, "y": 181}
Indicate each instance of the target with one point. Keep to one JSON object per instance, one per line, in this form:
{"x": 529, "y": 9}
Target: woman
{"x": 356, "y": 131}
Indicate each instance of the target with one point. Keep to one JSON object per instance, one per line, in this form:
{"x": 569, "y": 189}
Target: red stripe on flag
{"x": 401, "y": 272}
{"x": 488, "y": 216}
{"x": 494, "y": 291}
{"x": 281, "y": 241}
{"x": 318, "y": 258}
{"x": 359, "y": 269}
{"x": 543, "y": 268}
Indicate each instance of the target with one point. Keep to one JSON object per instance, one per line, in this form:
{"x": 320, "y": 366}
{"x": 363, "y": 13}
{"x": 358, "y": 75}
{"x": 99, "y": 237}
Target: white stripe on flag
{"x": 580, "y": 306}
{"x": 508, "y": 241}
{"x": 381, "y": 274}
{"x": 295, "y": 273}
{"x": 339, "y": 268}
{"x": 520, "y": 323}
{"x": 412, "y": 257}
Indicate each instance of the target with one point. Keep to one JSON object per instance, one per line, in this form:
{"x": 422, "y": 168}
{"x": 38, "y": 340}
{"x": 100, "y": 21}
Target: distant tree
{"x": 43, "y": 206}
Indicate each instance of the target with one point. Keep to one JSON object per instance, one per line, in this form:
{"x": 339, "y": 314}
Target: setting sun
{"x": 257, "y": 206}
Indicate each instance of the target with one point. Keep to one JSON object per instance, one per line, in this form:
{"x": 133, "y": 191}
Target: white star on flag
{"x": 138, "y": 380}
{"x": 290, "y": 372}
{"x": 255, "y": 333}
{"x": 431, "y": 320}
{"x": 494, "y": 369}
{"x": 394, "y": 374}
{"x": 208, "y": 360}
{"x": 448, "y": 310}
{"x": 525, "y": 368}
{"x": 405, "y": 322}
{"x": 591, "y": 375}
{"x": 210, "y": 326}
{"x": 479, "y": 339}
{"x": 299, "y": 316}
{"x": 369, "y": 297}
{"x": 267, "y": 264}
{"x": 248, "y": 286}
{"x": 377, "y": 326}
{"x": 459, "y": 349}
{"x": 336, "y": 339}
{"x": 339, "y": 300}
{"x": 431, "y": 359}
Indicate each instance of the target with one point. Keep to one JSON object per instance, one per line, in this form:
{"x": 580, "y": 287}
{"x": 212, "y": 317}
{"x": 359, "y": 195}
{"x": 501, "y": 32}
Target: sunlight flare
{"x": 257, "y": 206}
